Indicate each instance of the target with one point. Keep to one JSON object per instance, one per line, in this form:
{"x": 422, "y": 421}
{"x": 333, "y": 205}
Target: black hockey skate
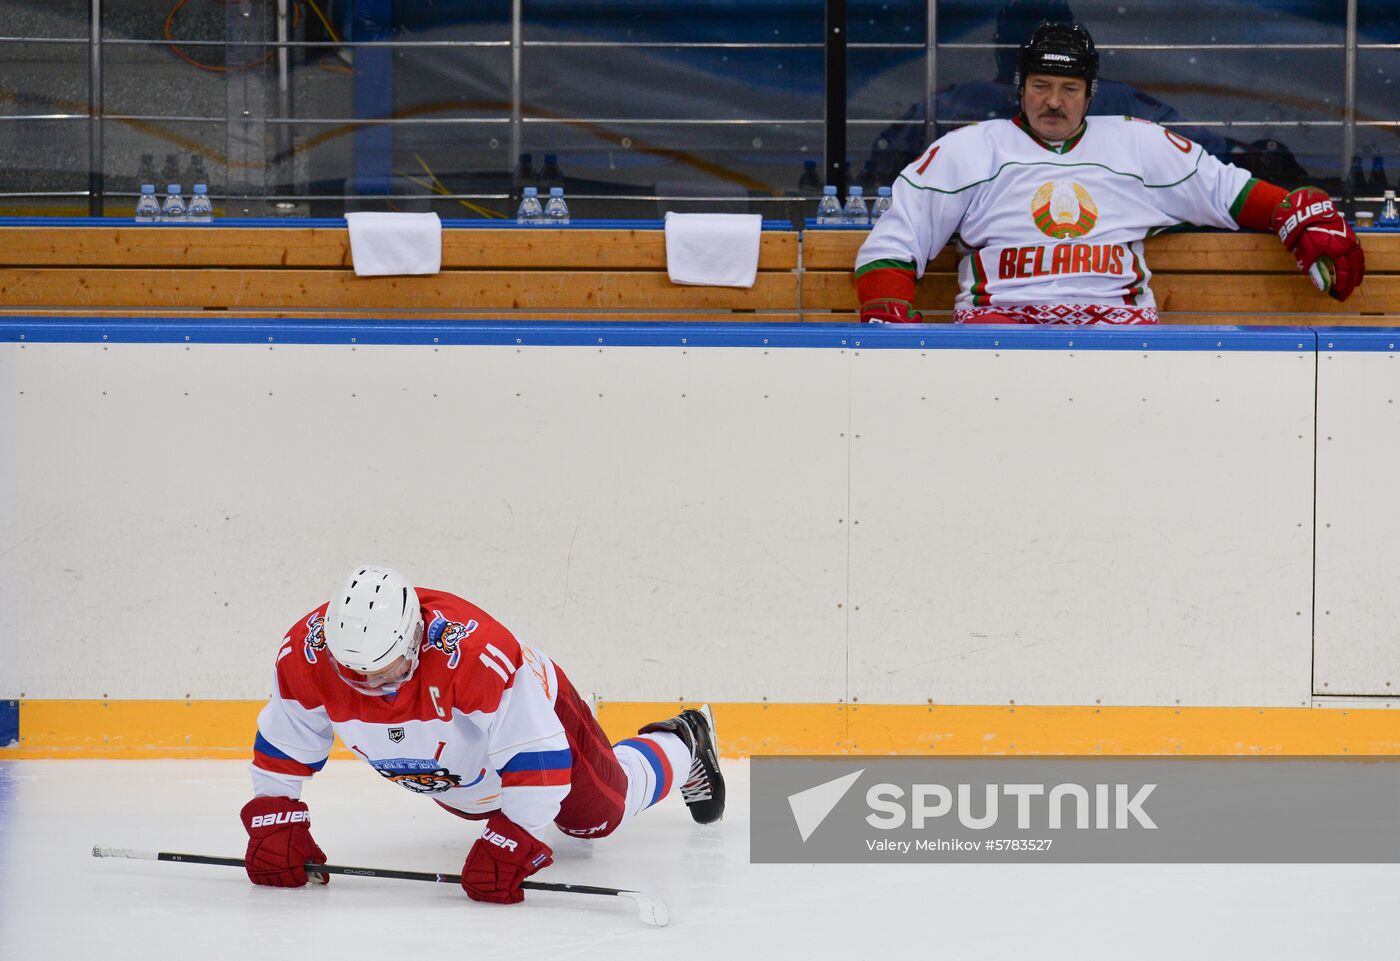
{"x": 703, "y": 789}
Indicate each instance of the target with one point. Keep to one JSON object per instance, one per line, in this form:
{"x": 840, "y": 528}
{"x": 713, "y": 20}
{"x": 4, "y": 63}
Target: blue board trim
{"x": 234, "y": 330}
{"x": 812, "y": 224}
{"x": 9, "y": 723}
{"x": 1333, "y": 340}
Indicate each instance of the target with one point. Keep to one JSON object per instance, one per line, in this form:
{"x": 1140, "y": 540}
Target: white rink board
{"x": 722, "y": 522}
{"x": 644, "y": 516}
{"x": 1358, "y": 524}
{"x": 1109, "y": 527}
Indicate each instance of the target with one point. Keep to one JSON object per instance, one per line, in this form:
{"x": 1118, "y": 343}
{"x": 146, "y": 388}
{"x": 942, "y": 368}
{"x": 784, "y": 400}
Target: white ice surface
{"x": 56, "y": 901}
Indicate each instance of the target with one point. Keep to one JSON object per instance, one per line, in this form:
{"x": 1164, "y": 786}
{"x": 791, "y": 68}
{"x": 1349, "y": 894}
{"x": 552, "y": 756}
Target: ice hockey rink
{"x": 57, "y": 901}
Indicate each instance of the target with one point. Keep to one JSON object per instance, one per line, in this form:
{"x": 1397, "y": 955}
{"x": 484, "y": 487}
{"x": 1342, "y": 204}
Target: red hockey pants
{"x": 598, "y": 784}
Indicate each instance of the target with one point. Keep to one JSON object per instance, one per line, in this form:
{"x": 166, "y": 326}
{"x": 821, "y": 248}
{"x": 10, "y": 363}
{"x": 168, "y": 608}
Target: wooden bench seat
{"x": 1198, "y": 278}
{"x": 306, "y": 271}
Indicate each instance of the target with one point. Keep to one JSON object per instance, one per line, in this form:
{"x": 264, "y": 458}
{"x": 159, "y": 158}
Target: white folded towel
{"x": 713, "y": 250}
{"x": 389, "y": 243}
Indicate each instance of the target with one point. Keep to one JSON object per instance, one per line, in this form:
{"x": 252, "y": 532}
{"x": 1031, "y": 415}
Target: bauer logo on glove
{"x": 1321, "y": 242}
{"x": 282, "y": 817}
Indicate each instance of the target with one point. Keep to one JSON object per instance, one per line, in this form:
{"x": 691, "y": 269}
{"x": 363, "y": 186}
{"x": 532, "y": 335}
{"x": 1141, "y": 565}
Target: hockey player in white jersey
{"x": 1050, "y": 208}
{"x": 439, "y": 698}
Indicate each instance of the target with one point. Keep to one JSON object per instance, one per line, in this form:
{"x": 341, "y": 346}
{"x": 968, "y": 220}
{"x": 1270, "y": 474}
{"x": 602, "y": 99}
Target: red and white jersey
{"x": 474, "y": 727}
{"x": 1040, "y": 223}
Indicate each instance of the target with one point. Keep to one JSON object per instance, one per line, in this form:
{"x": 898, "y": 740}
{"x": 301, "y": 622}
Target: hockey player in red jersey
{"x": 1050, "y": 208}
{"x": 442, "y": 700}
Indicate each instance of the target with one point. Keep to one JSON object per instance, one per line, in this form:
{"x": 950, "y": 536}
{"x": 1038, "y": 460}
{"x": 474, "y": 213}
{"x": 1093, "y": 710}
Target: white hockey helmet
{"x": 372, "y": 622}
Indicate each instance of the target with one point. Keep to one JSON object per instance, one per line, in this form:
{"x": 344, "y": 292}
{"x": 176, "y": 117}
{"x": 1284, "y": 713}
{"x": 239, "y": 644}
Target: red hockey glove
{"x": 279, "y": 842}
{"x": 501, "y": 858}
{"x": 890, "y": 312}
{"x": 1320, "y": 241}
{"x": 886, "y": 292}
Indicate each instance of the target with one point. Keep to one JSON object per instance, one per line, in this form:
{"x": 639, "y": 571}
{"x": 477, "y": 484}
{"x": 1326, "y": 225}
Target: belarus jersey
{"x": 1045, "y": 224}
{"x": 474, "y": 727}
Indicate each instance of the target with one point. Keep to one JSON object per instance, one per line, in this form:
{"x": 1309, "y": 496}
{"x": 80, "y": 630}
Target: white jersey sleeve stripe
{"x": 505, "y": 661}
{"x": 494, "y": 666}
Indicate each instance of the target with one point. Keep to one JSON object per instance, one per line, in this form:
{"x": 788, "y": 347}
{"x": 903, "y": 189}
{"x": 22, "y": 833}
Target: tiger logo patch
{"x": 447, "y": 636}
{"x": 420, "y": 775}
{"x": 315, "y": 636}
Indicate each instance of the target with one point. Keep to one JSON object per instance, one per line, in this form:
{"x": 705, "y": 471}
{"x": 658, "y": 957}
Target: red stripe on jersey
{"x": 667, "y": 775}
{"x": 535, "y": 778}
{"x": 980, "y": 298}
{"x": 278, "y": 765}
{"x": 928, "y": 160}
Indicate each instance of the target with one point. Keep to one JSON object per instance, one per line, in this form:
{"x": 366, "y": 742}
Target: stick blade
{"x": 651, "y": 910}
{"x": 98, "y": 851}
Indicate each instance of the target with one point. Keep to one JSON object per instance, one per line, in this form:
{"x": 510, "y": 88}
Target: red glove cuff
{"x": 890, "y": 312}
{"x": 1254, "y": 208}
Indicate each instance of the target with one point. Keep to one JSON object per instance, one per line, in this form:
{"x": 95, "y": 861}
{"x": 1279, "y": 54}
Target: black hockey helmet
{"x": 1064, "y": 49}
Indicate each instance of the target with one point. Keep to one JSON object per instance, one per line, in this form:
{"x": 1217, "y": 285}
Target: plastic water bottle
{"x": 201, "y": 211}
{"x": 882, "y": 204}
{"x": 530, "y": 212}
{"x": 173, "y": 210}
{"x": 556, "y": 212}
{"x": 147, "y": 207}
{"x": 829, "y": 208}
{"x": 1390, "y": 216}
{"x": 856, "y": 212}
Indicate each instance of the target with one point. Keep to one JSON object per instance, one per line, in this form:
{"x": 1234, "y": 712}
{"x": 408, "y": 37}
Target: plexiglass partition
{"x": 311, "y": 107}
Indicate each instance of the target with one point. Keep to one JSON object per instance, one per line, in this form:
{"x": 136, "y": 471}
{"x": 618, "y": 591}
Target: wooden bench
{"x": 540, "y": 273}
{"x": 587, "y": 274}
{"x": 1198, "y": 278}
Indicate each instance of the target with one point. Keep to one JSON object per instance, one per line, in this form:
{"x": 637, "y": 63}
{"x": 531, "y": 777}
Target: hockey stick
{"x": 650, "y": 910}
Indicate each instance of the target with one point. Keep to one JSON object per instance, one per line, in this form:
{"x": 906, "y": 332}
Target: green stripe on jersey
{"x": 885, "y": 265}
{"x": 1239, "y": 201}
{"x": 979, "y": 279}
{"x": 1065, "y": 147}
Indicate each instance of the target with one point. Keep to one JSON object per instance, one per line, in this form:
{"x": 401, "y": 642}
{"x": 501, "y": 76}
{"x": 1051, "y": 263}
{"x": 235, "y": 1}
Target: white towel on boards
{"x": 395, "y": 243}
{"x": 713, "y": 250}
